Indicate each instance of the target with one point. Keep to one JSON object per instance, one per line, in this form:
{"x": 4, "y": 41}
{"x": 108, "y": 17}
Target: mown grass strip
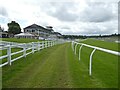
{"x": 103, "y": 44}
{"x": 57, "y": 67}
{"x": 20, "y": 40}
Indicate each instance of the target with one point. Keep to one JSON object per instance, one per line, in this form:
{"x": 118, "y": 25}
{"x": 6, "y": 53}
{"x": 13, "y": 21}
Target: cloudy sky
{"x": 76, "y": 17}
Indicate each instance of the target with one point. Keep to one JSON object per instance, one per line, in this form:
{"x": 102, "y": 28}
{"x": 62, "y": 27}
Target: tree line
{"x": 84, "y": 36}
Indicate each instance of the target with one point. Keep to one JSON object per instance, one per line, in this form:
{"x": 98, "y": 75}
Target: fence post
{"x": 80, "y": 51}
{"x": 73, "y": 45}
{"x": 9, "y": 54}
{"x": 38, "y": 46}
{"x": 54, "y": 43}
{"x": 42, "y": 44}
{"x": 32, "y": 47}
{"x": 24, "y": 48}
{"x": 46, "y": 44}
{"x": 49, "y": 44}
{"x": 90, "y": 65}
{"x": 75, "y": 48}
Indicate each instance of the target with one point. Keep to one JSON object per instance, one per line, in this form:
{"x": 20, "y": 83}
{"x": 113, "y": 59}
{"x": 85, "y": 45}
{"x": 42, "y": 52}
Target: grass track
{"x": 58, "y": 67}
{"x": 103, "y": 44}
{"x": 20, "y": 40}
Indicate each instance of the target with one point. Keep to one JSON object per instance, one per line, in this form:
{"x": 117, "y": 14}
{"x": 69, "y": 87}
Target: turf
{"x": 103, "y": 44}
{"x": 58, "y": 67}
{"x": 20, "y": 40}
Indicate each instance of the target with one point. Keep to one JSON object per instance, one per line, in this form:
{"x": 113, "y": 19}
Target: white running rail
{"x": 34, "y": 46}
{"x": 74, "y": 47}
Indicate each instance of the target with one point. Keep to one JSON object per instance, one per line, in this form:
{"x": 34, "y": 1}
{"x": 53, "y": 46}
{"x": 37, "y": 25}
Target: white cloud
{"x": 97, "y": 12}
{"x": 67, "y": 17}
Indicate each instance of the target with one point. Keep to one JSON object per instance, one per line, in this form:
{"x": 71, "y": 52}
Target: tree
{"x": 14, "y": 28}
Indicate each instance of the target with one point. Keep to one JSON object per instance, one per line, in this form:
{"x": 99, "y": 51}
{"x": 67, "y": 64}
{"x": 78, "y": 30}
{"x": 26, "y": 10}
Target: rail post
{"x": 45, "y": 44}
{"x": 90, "y": 64}
{"x": 48, "y": 43}
{"x": 76, "y": 48}
{"x": 80, "y": 51}
{"x": 24, "y": 48}
{"x": 51, "y": 43}
{"x": 9, "y": 54}
{"x": 42, "y": 44}
{"x": 38, "y": 46}
{"x": 32, "y": 47}
{"x": 73, "y": 45}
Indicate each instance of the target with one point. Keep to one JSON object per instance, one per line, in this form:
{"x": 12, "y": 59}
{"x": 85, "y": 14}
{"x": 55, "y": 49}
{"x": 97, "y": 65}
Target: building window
{"x": 27, "y": 30}
{"x": 33, "y": 30}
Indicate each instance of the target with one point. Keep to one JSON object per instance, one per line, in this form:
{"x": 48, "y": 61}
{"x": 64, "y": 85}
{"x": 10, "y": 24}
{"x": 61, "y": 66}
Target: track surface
{"x": 54, "y": 67}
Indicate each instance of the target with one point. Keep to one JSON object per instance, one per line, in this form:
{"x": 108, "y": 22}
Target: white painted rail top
{"x": 101, "y": 49}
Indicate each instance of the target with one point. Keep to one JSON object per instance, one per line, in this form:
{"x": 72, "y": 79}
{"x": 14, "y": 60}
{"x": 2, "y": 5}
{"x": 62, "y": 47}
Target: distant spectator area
{"x": 24, "y": 35}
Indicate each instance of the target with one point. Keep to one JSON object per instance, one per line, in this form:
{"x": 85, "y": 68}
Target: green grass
{"x": 104, "y": 67}
{"x": 4, "y": 52}
{"x": 102, "y": 44}
{"x": 20, "y": 40}
{"x": 58, "y": 67}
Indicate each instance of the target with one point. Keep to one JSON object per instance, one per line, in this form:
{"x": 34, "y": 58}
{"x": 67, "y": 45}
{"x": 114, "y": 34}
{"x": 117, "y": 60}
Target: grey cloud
{"x": 3, "y": 11}
{"x": 107, "y": 1}
{"x": 65, "y": 27}
{"x": 94, "y": 12}
{"x": 61, "y": 11}
{"x": 93, "y": 29}
{"x": 65, "y": 16}
{"x": 97, "y": 12}
{"x": 101, "y": 28}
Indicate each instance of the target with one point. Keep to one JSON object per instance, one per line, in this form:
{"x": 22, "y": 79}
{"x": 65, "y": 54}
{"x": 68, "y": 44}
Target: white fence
{"x": 74, "y": 47}
{"x": 34, "y": 46}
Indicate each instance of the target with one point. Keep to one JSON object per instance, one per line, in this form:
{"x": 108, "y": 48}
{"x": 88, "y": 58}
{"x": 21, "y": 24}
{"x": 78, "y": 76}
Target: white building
{"x": 24, "y": 35}
{"x": 37, "y": 30}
